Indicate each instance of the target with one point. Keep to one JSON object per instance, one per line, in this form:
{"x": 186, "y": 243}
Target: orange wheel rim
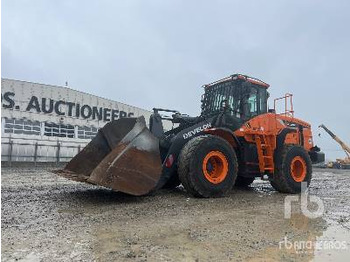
{"x": 298, "y": 169}
{"x": 215, "y": 167}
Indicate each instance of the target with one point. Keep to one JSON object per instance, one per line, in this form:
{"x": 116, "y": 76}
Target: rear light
{"x": 169, "y": 161}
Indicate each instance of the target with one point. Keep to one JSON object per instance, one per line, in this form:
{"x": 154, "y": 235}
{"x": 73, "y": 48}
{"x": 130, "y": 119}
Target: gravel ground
{"x": 45, "y": 217}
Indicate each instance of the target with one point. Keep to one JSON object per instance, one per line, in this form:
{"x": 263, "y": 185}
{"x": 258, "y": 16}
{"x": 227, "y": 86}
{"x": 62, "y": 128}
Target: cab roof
{"x": 242, "y": 77}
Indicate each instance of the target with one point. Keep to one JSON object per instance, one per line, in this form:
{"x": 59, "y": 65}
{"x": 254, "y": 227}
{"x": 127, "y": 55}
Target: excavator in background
{"x": 339, "y": 163}
{"x": 234, "y": 140}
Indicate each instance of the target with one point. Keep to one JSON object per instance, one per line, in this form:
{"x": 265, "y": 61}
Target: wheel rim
{"x": 298, "y": 169}
{"x": 215, "y": 167}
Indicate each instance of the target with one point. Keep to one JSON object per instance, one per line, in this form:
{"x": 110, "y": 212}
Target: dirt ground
{"x": 45, "y": 217}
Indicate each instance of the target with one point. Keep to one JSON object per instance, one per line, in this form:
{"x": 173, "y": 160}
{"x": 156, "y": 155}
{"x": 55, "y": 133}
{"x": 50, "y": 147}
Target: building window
{"x": 60, "y": 130}
{"x": 86, "y": 132}
{"x": 22, "y": 126}
{"x": 27, "y": 127}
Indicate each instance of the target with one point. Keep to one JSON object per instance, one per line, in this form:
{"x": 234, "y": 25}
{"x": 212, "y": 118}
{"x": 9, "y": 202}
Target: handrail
{"x": 287, "y": 111}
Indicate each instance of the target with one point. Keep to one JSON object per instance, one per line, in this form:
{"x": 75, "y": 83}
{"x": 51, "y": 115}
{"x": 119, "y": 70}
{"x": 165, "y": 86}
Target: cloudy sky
{"x": 159, "y": 53}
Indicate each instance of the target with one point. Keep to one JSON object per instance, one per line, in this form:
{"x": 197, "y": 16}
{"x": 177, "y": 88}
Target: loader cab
{"x": 239, "y": 96}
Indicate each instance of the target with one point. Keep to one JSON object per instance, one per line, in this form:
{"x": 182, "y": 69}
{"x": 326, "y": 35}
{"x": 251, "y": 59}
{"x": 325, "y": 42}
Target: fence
{"x": 35, "y": 151}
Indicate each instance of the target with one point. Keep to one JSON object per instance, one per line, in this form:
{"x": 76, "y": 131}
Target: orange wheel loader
{"x": 235, "y": 139}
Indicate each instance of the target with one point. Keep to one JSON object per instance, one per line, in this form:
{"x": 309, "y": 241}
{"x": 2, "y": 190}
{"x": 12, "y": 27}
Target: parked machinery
{"x": 234, "y": 140}
{"x": 339, "y": 163}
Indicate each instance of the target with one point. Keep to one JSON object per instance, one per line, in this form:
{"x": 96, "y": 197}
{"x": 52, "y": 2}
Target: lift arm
{"x": 344, "y": 146}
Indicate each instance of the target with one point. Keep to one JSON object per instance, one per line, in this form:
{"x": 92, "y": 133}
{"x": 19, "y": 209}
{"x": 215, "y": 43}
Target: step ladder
{"x": 265, "y": 154}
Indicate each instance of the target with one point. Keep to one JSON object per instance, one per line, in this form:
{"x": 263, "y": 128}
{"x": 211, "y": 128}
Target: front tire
{"x": 292, "y": 167}
{"x": 207, "y": 166}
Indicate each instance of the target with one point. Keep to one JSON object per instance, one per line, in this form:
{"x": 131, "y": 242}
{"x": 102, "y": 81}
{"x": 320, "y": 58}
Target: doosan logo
{"x": 196, "y": 130}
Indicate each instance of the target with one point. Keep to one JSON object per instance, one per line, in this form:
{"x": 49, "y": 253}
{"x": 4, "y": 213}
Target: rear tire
{"x": 207, "y": 166}
{"x": 244, "y": 181}
{"x": 292, "y": 167}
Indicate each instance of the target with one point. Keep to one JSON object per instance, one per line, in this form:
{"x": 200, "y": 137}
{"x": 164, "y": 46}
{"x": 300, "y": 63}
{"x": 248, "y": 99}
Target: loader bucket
{"x": 124, "y": 156}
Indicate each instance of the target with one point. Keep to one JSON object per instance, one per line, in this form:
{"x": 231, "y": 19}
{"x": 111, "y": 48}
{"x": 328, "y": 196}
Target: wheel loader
{"x": 234, "y": 140}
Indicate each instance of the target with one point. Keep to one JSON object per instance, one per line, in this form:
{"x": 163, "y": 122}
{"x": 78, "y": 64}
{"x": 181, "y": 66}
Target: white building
{"x": 46, "y": 123}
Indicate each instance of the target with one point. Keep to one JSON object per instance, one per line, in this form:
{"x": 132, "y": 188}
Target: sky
{"x": 158, "y": 53}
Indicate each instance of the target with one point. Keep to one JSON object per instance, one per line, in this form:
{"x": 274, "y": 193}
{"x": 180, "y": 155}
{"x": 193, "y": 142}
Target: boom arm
{"x": 345, "y": 147}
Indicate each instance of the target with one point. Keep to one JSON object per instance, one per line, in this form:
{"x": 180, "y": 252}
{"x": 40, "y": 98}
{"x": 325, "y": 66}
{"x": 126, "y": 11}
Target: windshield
{"x": 242, "y": 99}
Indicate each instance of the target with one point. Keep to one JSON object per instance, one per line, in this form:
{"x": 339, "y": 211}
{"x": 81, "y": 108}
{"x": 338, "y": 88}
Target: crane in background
{"x": 339, "y": 163}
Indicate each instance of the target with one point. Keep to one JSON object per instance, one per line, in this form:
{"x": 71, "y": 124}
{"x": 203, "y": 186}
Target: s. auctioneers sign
{"x": 39, "y": 102}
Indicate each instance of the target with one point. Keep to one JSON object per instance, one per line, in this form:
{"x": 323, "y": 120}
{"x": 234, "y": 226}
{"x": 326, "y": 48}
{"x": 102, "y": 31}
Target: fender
{"x": 281, "y": 137}
{"x": 225, "y": 134}
{"x": 177, "y": 143}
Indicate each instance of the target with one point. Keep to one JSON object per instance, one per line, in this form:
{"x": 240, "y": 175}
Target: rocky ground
{"x": 45, "y": 217}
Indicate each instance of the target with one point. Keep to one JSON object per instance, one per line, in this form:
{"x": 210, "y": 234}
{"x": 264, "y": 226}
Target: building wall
{"x": 52, "y": 123}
